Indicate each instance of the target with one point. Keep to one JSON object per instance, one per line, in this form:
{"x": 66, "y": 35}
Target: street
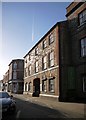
{"x": 27, "y": 109}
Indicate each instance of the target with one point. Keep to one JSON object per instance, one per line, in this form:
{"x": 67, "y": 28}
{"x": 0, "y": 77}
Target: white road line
{"x": 18, "y": 113}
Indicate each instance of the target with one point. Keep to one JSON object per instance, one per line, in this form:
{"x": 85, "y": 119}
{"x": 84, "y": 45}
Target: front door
{"x": 36, "y": 87}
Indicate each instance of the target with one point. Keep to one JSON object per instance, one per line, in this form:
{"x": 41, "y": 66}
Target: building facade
{"x": 5, "y": 81}
{"x": 76, "y": 16}
{"x": 1, "y": 85}
{"x": 41, "y": 65}
{"x": 16, "y": 75}
{"x": 56, "y": 65}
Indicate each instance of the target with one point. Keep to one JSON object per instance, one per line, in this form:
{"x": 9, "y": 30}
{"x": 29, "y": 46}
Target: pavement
{"x": 73, "y": 110}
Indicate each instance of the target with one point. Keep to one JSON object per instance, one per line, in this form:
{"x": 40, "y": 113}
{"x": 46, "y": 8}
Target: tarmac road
{"x": 32, "y": 107}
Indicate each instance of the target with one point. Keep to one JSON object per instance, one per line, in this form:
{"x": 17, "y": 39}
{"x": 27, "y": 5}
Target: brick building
{"x": 41, "y": 64}
{"x": 56, "y": 65}
{"x": 76, "y": 16}
{"x": 16, "y": 75}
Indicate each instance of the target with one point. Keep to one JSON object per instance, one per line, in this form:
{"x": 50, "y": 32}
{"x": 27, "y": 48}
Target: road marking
{"x": 18, "y": 114}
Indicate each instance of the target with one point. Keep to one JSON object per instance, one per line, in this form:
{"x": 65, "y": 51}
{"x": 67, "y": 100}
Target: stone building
{"x": 16, "y": 75}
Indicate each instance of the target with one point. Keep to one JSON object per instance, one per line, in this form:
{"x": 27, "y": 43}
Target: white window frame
{"x": 36, "y": 66}
{"x": 51, "y": 38}
{"x": 51, "y": 59}
{"x": 44, "y": 62}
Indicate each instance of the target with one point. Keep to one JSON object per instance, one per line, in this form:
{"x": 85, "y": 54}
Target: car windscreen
{"x": 4, "y": 95}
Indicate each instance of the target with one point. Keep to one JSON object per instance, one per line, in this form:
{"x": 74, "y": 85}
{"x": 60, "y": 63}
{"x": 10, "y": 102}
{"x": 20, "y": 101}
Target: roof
{"x": 15, "y": 60}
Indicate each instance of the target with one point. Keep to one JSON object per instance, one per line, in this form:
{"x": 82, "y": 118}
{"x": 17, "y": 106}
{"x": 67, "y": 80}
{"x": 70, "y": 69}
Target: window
{"x": 26, "y": 72}
{"x": 84, "y": 83}
{"x": 51, "y": 38}
{"x": 36, "y": 51}
{"x": 44, "y": 85}
{"x": 82, "y": 17}
{"x": 44, "y": 62}
{"x": 51, "y": 85}
{"x": 44, "y": 44}
{"x": 29, "y": 70}
{"x": 15, "y": 65}
{"x": 25, "y": 86}
{"x": 51, "y": 59}
{"x": 36, "y": 66}
{"x": 14, "y": 75}
{"x": 83, "y": 47}
{"x": 29, "y": 86}
{"x": 29, "y": 57}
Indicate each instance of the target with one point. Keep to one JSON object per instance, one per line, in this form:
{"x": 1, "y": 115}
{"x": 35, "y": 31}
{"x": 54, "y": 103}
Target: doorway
{"x": 36, "y": 87}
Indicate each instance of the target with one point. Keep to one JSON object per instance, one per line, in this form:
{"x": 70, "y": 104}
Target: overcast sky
{"x": 21, "y": 20}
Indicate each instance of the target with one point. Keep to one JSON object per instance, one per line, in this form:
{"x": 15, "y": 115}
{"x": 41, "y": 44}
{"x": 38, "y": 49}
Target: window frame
{"x": 44, "y": 44}
{"x": 36, "y": 67}
{"x": 83, "y": 47}
{"x": 14, "y": 75}
{"x": 15, "y": 65}
{"x": 44, "y": 63}
{"x": 84, "y": 83}
{"x": 52, "y": 85}
{"x": 51, "y": 38}
{"x": 44, "y": 85}
{"x": 51, "y": 59}
{"x": 36, "y": 51}
{"x": 81, "y": 19}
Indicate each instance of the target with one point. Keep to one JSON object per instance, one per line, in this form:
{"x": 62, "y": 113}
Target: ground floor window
{"x": 29, "y": 86}
{"x": 52, "y": 84}
{"x": 25, "y": 86}
{"x": 44, "y": 85}
{"x": 84, "y": 83}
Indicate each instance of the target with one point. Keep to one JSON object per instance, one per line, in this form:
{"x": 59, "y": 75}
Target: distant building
{"x": 16, "y": 74}
{"x": 5, "y": 81}
{"x": 1, "y": 85}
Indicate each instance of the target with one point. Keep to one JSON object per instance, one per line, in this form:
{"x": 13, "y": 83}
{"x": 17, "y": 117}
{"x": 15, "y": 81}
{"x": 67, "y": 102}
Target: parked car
{"x": 7, "y": 103}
